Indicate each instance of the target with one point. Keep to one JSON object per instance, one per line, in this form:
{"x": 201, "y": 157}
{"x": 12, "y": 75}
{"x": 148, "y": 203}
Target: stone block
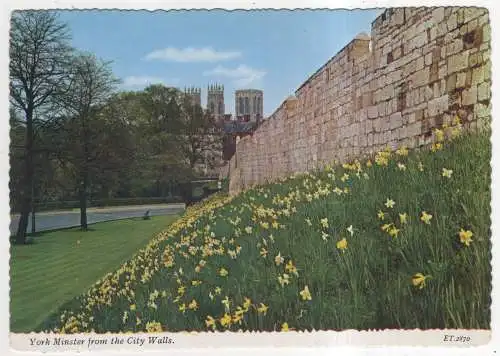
{"x": 460, "y": 82}
{"x": 484, "y": 91}
{"x": 481, "y": 110}
{"x": 438, "y": 106}
{"x": 395, "y": 120}
{"x": 469, "y": 96}
{"x": 420, "y": 78}
{"x": 477, "y": 75}
{"x": 457, "y": 62}
{"x": 414, "y": 129}
{"x": 452, "y": 22}
{"x": 451, "y": 82}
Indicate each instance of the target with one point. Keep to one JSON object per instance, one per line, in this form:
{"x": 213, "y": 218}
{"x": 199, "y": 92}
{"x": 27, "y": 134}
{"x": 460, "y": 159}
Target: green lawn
{"x": 63, "y": 264}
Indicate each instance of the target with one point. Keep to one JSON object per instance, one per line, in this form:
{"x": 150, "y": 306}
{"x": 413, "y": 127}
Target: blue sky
{"x": 274, "y": 51}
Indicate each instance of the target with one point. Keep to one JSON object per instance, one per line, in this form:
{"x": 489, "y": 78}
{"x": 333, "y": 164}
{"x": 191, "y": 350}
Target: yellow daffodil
{"x": 393, "y": 232}
{"x": 418, "y": 280}
{"x": 248, "y": 229}
{"x": 305, "y": 294}
{"x": 447, "y": 173}
{"x": 308, "y": 221}
{"x": 284, "y": 327}
{"x": 247, "y": 303}
{"x": 226, "y": 320}
{"x": 263, "y": 252}
{"x": 350, "y": 229}
{"x": 290, "y": 267}
{"x": 420, "y": 167}
{"x": 153, "y": 327}
{"x": 278, "y": 259}
{"x": 324, "y": 223}
{"x": 218, "y": 290}
{"x": 342, "y": 244}
{"x": 426, "y": 218}
{"x": 439, "y": 135}
{"x": 193, "y": 305}
{"x": 223, "y": 272}
{"x": 390, "y": 203}
{"x": 132, "y": 307}
{"x": 195, "y": 283}
{"x": 403, "y": 218}
{"x": 465, "y": 237}
{"x": 264, "y": 225}
{"x": 386, "y": 227}
{"x": 369, "y": 163}
{"x": 436, "y": 147}
{"x": 381, "y": 215}
{"x": 401, "y": 166}
{"x": 324, "y": 236}
{"x": 210, "y": 322}
{"x": 402, "y": 151}
{"x": 262, "y": 309}
{"x": 182, "y": 307}
{"x": 284, "y": 280}
{"x": 275, "y": 225}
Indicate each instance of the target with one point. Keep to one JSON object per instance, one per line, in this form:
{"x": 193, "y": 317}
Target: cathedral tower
{"x": 194, "y": 94}
{"x": 215, "y": 101}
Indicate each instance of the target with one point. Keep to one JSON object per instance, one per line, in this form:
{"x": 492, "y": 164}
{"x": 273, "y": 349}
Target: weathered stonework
{"x": 420, "y": 68}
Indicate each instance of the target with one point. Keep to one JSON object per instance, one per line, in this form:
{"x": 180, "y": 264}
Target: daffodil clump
{"x": 363, "y": 245}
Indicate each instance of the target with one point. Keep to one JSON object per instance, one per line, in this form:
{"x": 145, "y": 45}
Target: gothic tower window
{"x": 247, "y": 106}
{"x": 242, "y": 107}
{"x": 221, "y": 108}
{"x": 212, "y": 107}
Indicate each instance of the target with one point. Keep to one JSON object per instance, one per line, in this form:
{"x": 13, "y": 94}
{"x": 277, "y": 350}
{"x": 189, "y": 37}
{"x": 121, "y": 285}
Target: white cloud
{"x": 145, "y": 80}
{"x": 190, "y": 54}
{"x": 242, "y": 75}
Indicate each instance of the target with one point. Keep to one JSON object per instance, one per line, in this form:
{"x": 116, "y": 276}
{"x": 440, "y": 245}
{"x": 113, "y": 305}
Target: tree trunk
{"x": 28, "y": 179}
{"x": 83, "y": 201}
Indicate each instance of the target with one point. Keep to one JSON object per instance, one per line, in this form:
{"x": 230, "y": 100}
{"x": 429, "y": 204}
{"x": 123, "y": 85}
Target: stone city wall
{"x": 420, "y": 68}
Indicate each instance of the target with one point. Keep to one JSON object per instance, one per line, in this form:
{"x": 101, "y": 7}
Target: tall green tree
{"x": 39, "y": 52}
{"x": 91, "y": 84}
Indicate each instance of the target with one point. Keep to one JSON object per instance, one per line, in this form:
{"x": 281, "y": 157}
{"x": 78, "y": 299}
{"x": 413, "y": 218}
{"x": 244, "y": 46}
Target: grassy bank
{"x": 60, "y": 265}
{"x": 401, "y": 241}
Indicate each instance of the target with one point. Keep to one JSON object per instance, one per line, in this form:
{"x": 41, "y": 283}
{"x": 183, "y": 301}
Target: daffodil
{"x": 324, "y": 223}
{"x": 210, "y": 322}
{"x": 439, "y": 135}
{"x": 263, "y": 252}
{"x": 418, "y": 280}
{"x": 285, "y": 279}
{"x": 426, "y": 218}
{"x": 308, "y": 221}
{"x": 290, "y": 267}
{"x": 420, "y": 167}
{"x": 182, "y": 307}
{"x": 403, "y": 218}
{"x": 284, "y": 327}
{"x": 226, "y": 320}
{"x": 227, "y": 303}
{"x": 153, "y": 327}
{"x": 278, "y": 259}
{"x": 381, "y": 215}
{"x": 262, "y": 309}
{"x": 465, "y": 237}
{"x": 368, "y": 163}
{"x": 132, "y": 307}
{"x": 350, "y": 229}
{"x": 247, "y": 303}
{"x": 342, "y": 244}
{"x": 393, "y": 231}
{"x": 402, "y": 151}
{"x": 436, "y": 147}
{"x": 390, "y": 203}
{"x": 223, "y": 272}
{"x": 193, "y": 305}
{"x": 401, "y": 166}
{"x": 275, "y": 225}
{"x": 248, "y": 229}
{"x": 305, "y": 294}
{"x": 324, "y": 236}
{"x": 447, "y": 173}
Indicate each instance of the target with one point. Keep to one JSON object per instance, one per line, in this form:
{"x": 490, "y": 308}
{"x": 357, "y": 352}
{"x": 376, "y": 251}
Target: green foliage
{"x": 369, "y": 280}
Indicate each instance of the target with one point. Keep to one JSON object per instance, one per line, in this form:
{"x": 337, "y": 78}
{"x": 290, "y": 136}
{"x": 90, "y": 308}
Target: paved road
{"x": 62, "y": 219}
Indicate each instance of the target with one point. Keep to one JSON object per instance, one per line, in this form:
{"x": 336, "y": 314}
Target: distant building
{"x": 194, "y": 94}
{"x": 249, "y": 105}
{"x": 215, "y": 101}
